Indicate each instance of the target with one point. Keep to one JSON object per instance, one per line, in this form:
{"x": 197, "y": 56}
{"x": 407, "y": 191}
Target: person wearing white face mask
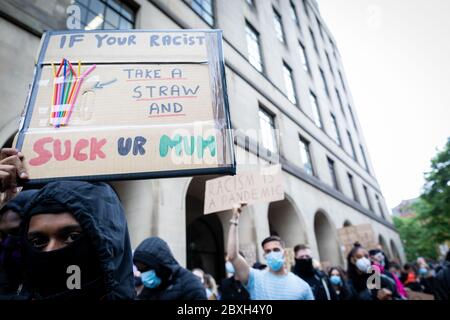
{"x": 273, "y": 283}
{"x": 379, "y": 260}
{"x": 359, "y": 272}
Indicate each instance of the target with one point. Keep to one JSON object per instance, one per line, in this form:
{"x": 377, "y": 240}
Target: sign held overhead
{"x": 110, "y": 105}
{"x": 265, "y": 185}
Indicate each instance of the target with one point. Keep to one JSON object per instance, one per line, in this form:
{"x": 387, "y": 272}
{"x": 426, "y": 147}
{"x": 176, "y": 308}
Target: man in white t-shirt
{"x": 273, "y": 283}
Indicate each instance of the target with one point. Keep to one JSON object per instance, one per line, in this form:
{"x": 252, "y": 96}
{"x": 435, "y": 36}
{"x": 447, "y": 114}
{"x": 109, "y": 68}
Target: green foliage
{"x": 434, "y": 212}
{"x": 415, "y": 239}
{"x": 431, "y": 225}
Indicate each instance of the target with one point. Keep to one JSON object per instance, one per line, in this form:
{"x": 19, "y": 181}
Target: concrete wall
{"x": 17, "y": 54}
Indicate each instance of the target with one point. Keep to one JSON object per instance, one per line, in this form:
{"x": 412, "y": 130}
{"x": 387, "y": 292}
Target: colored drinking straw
{"x": 65, "y": 90}
{"x": 74, "y": 96}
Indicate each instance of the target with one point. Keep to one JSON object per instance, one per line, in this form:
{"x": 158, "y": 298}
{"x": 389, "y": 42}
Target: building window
{"x": 304, "y": 58}
{"x": 289, "y": 83}
{"x": 366, "y": 165}
{"x": 324, "y": 82}
{"x": 293, "y": 11}
{"x": 353, "y": 117}
{"x": 268, "y": 136}
{"x": 369, "y": 202}
{"x": 319, "y": 25}
{"x": 305, "y": 6}
{"x": 342, "y": 80}
{"x": 380, "y": 206}
{"x": 352, "y": 186}
{"x": 204, "y": 8}
{"x": 315, "y": 109}
{"x": 329, "y": 63}
{"x": 340, "y": 101}
{"x": 333, "y": 175}
{"x": 337, "y": 135}
{"x": 334, "y": 48}
{"x": 105, "y": 14}
{"x": 311, "y": 32}
{"x": 305, "y": 154}
{"x": 253, "y": 47}
{"x": 278, "y": 24}
{"x": 352, "y": 146}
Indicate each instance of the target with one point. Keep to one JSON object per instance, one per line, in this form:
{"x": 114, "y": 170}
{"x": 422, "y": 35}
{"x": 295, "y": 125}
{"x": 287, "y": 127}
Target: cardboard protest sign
{"x": 362, "y": 233}
{"x": 245, "y": 187}
{"x": 413, "y": 295}
{"x": 289, "y": 258}
{"x": 113, "y": 104}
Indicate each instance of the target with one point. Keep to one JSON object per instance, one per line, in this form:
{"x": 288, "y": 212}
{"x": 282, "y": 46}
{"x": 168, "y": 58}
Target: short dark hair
{"x": 373, "y": 252}
{"x": 301, "y": 247}
{"x": 408, "y": 266}
{"x": 272, "y": 238}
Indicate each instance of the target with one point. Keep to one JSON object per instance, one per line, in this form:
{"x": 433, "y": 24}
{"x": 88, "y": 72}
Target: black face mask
{"x": 304, "y": 267}
{"x": 46, "y": 272}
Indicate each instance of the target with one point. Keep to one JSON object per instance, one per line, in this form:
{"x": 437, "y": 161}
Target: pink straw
{"x": 74, "y": 98}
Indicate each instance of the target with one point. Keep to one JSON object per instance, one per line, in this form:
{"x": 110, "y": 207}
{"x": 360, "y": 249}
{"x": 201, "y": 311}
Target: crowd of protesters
{"x": 46, "y": 235}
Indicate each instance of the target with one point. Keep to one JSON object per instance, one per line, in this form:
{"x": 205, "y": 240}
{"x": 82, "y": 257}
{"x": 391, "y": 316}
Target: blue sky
{"x": 396, "y": 55}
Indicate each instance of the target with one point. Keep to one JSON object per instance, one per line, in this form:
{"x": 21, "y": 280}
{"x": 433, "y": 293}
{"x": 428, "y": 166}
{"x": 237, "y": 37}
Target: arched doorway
{"x": 384, "y": 246}
{"x": 285, "y": 221}
{"x": 327, "y": 242}
{"x": 204, "y": 233}
{"x": 395, "y": 252}
{"x": 347, "y": 223}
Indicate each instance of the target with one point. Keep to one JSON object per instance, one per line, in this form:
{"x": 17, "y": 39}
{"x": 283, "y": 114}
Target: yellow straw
{"x": 79, "y": 67}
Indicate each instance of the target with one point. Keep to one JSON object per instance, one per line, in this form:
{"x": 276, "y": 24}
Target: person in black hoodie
{"x": 76, "y": 244}
{"x": 318, "y": 281}
{"x": 163, "y": 278}
{"x": 231, "y": 288}
{"x": 11, "y": 262}
{"x": 442, "y": 289}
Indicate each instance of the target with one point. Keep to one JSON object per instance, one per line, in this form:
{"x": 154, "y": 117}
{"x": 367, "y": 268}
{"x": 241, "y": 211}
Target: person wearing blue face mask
{"x": 150, "y": 279}
{"x": 273, "y": 283}
{"x": 339, "y": 284}
{"x": 231, "y": 288}
{"x": 162, "y": 276}
{"x": 426, "y": 279}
